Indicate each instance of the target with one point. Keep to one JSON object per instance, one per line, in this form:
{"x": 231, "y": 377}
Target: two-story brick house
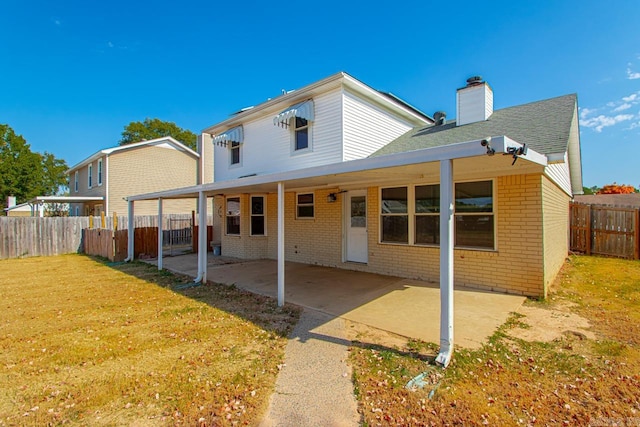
{"x": 341, "y": 175}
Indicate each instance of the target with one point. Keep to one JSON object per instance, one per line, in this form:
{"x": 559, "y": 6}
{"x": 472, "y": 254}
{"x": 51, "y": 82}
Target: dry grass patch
{"x": 572, "y": 380}
{"x": 83, "y": 342}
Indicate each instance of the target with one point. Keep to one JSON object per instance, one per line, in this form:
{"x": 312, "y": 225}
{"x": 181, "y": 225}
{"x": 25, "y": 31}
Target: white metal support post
{"x": 280, "y": 244}
{"x": 160, "y": 242}
{"x": 202, "y": 238}
{"x": 447, "y": 199}
{"x": 130, "y": 231}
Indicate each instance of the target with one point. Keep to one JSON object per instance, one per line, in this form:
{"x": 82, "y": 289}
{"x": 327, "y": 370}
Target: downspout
{"x": 446, "y": 262}
{"x": 130, "y": 231}
{"x": 280, "y": 244}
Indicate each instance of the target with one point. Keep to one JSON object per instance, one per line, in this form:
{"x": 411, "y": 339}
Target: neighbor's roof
{"x": 543, "y": 125}
{"x": 158, "y": 141}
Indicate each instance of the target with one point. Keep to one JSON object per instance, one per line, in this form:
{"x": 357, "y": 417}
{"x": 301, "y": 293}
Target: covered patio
{"x": 489, "y": 157}
{"x": 410, "y": 308}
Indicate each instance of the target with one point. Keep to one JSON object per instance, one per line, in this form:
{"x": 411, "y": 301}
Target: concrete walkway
{"x": 314, "y": 386}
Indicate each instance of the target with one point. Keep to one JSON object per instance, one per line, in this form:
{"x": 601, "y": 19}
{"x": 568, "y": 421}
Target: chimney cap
{"x": 474, "y": 81}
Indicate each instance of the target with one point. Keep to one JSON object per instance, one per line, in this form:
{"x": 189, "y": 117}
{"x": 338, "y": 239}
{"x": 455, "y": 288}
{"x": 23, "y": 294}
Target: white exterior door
{"x": 356, "y": 226}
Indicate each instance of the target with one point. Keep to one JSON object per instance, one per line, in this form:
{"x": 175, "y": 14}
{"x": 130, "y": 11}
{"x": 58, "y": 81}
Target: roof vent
{"x": 474, "y": 81}
{"x": 440, "y": 118}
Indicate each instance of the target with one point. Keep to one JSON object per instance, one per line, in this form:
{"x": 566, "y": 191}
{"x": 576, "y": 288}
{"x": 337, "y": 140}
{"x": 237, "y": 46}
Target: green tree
{"x": 156, "y": 128}
{"x": 25, "y": 174}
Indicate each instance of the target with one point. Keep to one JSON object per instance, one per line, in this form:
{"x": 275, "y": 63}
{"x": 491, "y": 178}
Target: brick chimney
{"x": 474, "y": 102}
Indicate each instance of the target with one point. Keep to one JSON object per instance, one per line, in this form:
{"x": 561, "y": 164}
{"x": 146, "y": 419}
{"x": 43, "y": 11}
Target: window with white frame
{"x": 234, "y": 153}
{"x": 304, "y": 205}
{"x": 75, "y": 182}
{"x": 258, "y": 223}
{"x": 90, "y": 175}
{"x": 394, "y": 215}
{"x": 99, "y": 172}
{"x": 474, "y": 215}
{"x": 301, "y": 134}
{"x": 233, "y": 216}
{"x": 427, "y": 214}
{"x": 77, "y": 211}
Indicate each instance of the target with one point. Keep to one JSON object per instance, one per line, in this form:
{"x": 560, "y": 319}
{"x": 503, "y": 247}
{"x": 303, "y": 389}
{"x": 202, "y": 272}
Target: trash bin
{"x": 217, "y": 250}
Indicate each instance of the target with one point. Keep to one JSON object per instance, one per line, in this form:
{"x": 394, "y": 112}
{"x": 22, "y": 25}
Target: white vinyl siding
{"x": 367, "y": 128}
{"x": 560, "y": 174}
{"x": 267, "y": 148}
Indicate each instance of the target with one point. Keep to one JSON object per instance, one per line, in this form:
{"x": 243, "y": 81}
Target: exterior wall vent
{"x": 474, "y": 102}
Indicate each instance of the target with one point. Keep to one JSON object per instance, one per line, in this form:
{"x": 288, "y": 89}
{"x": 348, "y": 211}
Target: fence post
{"x": 589, "y": 236}
{"x": 90, "y": 222}
{"x": 636, "y": 254}
{"x": 102, "y": 220}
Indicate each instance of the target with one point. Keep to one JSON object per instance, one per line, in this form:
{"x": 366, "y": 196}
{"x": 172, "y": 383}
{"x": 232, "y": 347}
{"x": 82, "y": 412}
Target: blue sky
{"x": 74, "y": 73}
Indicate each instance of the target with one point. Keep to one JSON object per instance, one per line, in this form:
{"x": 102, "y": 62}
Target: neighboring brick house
{"x": 118, "y": 172}
{"x": 361, "y": 180}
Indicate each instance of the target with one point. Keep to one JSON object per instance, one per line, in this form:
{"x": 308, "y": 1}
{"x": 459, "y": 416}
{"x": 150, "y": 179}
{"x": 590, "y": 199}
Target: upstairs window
{"x": 301, "y": 136}
{"x": 90, "y": 176}
{"x": 233, "y": 216}
{"x": 100, "y": 172}
{"x": 75, "y": 182}
{"x": 231, "y": 139}
{"x": 304, "y": 205}
{"x": 234, "y": 153}
{"x": 298, "y": 119}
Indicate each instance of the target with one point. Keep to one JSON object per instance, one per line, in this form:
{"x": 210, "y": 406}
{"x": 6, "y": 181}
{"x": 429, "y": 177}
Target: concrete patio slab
{"x": 410, "y": 308}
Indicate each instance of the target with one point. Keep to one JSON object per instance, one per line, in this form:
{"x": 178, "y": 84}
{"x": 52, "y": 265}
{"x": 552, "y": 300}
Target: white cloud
{"x": 600, "y": 122}
{"x": 109, "y": 44}
{"x": 622, "y": 107}
{"x": 584, "y": 112}
{"x": 632, "y": 75}
{"x": 634, "y": 126}
{"x": 630, "y": 98}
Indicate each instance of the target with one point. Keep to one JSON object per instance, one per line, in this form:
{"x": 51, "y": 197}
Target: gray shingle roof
{"x": 543, "y": 125}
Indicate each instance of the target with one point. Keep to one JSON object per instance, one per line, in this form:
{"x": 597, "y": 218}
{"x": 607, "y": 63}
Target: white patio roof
{"x": 470, "y": 161}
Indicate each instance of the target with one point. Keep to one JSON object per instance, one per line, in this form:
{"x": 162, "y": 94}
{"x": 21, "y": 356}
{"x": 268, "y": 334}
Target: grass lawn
{"x": 84, "y": 342}
{"x": 569, "y": 381}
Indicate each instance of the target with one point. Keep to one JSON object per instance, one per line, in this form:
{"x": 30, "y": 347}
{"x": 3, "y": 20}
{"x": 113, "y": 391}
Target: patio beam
{"x": 160, "y": 242}
{"x": 447, "y": 198}
{"x": 130, "y": 231}
{"x": 280, "y": 244}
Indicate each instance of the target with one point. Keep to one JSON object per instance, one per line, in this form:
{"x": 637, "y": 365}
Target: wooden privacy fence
{"x": 35, "y": 236}
{"x": 112, "y": 244}
{"x": 603, "y": 230}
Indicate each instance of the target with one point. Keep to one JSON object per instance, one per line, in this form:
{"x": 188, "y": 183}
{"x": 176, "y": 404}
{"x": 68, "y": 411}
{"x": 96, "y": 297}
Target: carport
{"x": 468, "y": 160}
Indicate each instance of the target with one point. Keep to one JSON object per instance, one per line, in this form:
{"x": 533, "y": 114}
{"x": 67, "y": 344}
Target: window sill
{"x": 456, "y": 248}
